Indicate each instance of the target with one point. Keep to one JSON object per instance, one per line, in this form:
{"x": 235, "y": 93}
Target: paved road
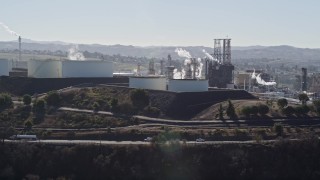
{"x": 97, "y": 142}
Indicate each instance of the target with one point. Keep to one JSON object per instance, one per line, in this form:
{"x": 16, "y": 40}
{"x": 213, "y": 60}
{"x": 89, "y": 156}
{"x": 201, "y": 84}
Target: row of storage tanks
{"x": 62, "y": 68}
{"x": 68, "y": 68}
{"x": 97, "y": 68}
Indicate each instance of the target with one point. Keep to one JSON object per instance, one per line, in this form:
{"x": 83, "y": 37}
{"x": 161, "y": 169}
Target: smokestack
{"x": 19, "y": 48}
{"x": 304, "y": 79}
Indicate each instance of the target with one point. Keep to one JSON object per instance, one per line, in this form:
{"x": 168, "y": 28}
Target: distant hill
{"x": 250, "y": 52}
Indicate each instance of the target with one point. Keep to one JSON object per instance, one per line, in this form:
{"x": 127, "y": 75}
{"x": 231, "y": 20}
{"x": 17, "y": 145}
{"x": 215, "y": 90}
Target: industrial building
{"x": 219, "y": 71}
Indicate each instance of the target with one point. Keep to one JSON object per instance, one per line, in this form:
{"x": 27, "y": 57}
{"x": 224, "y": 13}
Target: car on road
{"x": 148, "y": 139}
{"x": 200, "y": 140}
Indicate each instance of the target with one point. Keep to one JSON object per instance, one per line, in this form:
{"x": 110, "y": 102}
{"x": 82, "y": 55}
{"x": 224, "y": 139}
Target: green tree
{"x": 5, "y": 101}
{"x": 114, "y": 104}
{"x": 278, "y": 129}
{"x": 139, "y": 98}
{"x": 282, "y": 103}
{"x": 39, "y": 106}
{"x": 288, "y": 110}
{"x": 246, "y": 110}
{"x": 303, "y": 98}
{"x": 96, "y": 106}
{"x": 27, "y": 99}
{"x": 220, "y": 111}
{"x": 263, "y": 109}
{"x": 254, "y": 110}
{"x": 28, "y": 124}
{"x": 230, "y": 110}
{"x": 316, "y": 105}
{"x": 53, "y": 98}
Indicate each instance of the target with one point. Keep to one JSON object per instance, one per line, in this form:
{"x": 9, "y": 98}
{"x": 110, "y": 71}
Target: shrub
{"x": 278, "y": 129}
{"x": 53, "y": 98}
{"x": 303, "y": 98}
{"x": 151, "y": 111}
{"x": 288, "y": 110}
{"x": 126, "y": 108}
{"x": 263, "y": 109}
{"x": 139, "y": 98}
{"x": 96, "y": 106}
{"x": 27, "y": 99}
{"x": 254, "y": 110}
{"x": 303, "y": 109}
{"x": 220, "y": 111}
{"x": 316, "y": 105}
{"x": 39, "y": 106}
{"x": 282, "y": 103}
{"x": 246, "y": 110}
{"x": 114, "y": 104}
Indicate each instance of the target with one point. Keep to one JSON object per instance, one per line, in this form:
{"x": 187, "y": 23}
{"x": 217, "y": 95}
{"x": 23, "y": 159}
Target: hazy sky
{"x": 165, "y": 22}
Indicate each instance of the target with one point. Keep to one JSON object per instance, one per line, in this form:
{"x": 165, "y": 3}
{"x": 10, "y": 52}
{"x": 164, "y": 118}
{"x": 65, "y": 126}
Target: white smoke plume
{"x": 75, "y": 54}
{"x": 5, "y": 27}
{"x": 253, "y": 75}
{"x": 207, "y": 54}
{"x": 200, "y": 66}
{"x": 183, "y": 53}
{"x": 262, "y": 82}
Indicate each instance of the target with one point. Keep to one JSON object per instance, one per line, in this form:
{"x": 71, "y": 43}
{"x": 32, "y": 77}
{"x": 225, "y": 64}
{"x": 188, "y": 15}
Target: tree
{"x": 5, "y": 101}
{"x": 27, "y": 99}
{"x": 28, "y": 124}
{"x": 288, "y": 110}
{"x": 230, "y": 110}
{"x": 53, "y": 98}
{"x": 316, "y": 104}
{"x": 39, "y": 106}
{"x": 246, "y": 110}
{"x": 303, "y": 98}
{"x": 263, "y": 109}
{"x": 278, "y": 129}
{"x": 139, "y": 98}
{"x": 282, "y": 103}
{"x": 220, "y": 111}
{"x": 114, "y": 104}
{"x": 96, "y": 106}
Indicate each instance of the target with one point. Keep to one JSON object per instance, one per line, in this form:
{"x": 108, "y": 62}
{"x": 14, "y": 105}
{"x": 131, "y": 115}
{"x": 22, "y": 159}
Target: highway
{"x": 98, "y": 142}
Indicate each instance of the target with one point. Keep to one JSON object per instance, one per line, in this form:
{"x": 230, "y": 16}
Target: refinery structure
{"x": 195, "y": 75}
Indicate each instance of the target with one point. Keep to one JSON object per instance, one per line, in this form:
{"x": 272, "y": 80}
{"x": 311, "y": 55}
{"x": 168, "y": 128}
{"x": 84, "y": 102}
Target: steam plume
{"x": 75, "y": 54}
{"x": 207, "y": 54}
{"x": 5, "y": 27}
{"x": 183, "y": 53}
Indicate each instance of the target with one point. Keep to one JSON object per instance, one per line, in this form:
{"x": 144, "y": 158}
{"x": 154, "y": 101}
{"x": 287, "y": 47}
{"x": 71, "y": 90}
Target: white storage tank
{"x": 188, "y": 85}
{"x": 88, "y": 68}
{"x": 152, "y": 82}
{"x": 44, "y": 68}
{"x": 5, "y": 67}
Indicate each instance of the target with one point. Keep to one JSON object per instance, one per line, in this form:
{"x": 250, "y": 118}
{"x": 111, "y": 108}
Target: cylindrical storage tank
{"x": 188, "y": 85}
{"x": 44, "y": 68}
{"x": 155, "y": 83}
{"x": 5, "y": 67}
{"x": 88, "y": 68}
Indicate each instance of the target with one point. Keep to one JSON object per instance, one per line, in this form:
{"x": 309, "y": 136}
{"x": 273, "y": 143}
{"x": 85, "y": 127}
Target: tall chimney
{"x": 19, "y": 48}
